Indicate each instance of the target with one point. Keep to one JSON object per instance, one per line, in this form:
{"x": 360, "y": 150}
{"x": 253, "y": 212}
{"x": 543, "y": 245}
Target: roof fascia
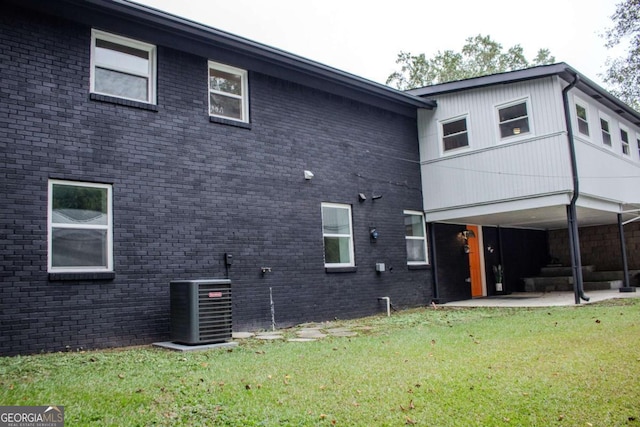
{"x": 561, "y": 69}
{"x": 183, "y": 34}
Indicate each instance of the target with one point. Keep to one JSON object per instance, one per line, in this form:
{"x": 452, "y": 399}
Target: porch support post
{"x": 574, "y": 246}
{"x": 434, "y": 261}
{"x": 625, "y": 267}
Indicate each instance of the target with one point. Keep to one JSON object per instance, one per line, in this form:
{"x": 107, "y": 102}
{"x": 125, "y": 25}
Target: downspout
{"x": 572, "y": 216}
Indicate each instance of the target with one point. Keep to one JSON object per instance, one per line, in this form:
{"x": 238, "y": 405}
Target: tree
{"x": 480, "y": 56}
{"x": 623, "y": 75}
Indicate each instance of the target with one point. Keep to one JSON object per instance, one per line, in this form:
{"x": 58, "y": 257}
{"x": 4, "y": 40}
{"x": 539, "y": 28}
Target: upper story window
{"x": 606, "y": 132}
{"x": 80, "y": 227}
{"x": 624, "y": 139}
{"x": 513, "y": 119}
{"x": 228, "y": 92}
{"x": 338, "y": 235}
{"x": 583, "y": 122}
{"x": 122, "y": 67}
{"x": 416, "y": 238}
{"x": 455, "y": 134}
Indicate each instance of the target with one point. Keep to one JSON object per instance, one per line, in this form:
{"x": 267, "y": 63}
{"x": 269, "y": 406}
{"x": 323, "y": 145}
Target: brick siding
{"x": 600, "y": 246}
{"x": 186, "y": 191}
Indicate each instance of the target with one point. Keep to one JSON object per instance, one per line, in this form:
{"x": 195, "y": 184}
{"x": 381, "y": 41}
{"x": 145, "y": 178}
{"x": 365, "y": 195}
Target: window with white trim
{"x": 416, "y": 238}
{"x": 455, "y": 134}
{"x": 122, "y": 67}
{"x": 513, "y": 119}
{"x": 581, "y": 116}
{"x": 638, "y": 142}
{"x": 606, "y": 132}
{"x": 80, "y": 227}
{"x": 228, "y": 92}
{"x": 624, "y": 139}
{"x": 337, "y": 232}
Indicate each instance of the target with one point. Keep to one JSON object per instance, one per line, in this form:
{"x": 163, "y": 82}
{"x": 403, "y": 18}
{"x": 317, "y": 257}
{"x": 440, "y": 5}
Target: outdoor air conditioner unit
{"x": 200, "y": 311}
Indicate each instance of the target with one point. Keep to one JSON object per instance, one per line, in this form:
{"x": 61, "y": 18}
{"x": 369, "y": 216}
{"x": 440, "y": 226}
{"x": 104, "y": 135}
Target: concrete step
{"x": 565, "y": 284}
{"x": 597, "y": 276}
{"x": 602, "y": 286}
{"x": 548, "y": 284}
{"x": 553, "y": 271}
{"x": 557, "y": 278}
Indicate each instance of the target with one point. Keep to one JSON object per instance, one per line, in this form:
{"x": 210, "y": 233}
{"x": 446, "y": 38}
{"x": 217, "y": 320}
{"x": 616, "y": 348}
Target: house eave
{"x": 179, "y": 33}
{"x": 563, "y": 70}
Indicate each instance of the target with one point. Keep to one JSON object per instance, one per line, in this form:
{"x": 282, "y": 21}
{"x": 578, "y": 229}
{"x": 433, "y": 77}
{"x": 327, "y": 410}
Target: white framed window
{"x": 513, "y": 119}
{"x": 605, "y": 130}
{"x": 455, "y": 133}
{"x": 416, "y": 238}
{"x": 228, "y": 92}
{"x": 638, "y": 142}
{"x": 80, "y": 227}
{"x": 123, "y": 67}
{"x": 337, "y": 231}
{"x": 582, "y": 118}
{"x": 624, "y": 140}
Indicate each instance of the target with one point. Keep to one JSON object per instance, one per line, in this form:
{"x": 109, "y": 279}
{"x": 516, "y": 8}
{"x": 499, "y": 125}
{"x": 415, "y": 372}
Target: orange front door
{"x": 475, "y": 269}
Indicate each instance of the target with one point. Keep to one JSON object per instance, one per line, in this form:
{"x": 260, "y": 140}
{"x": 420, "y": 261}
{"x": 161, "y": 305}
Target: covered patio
{"x": 540, "y": 299}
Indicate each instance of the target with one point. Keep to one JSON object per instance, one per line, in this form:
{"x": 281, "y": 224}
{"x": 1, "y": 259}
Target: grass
{"x": 566, "y": 366}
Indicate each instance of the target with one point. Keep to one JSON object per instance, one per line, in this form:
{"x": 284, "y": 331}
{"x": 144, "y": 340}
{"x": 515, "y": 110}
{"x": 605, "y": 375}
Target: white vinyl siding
{"x": 122, "y": 67}
{"x": 79, "y": 227}
{"x": 337, "y": 232}
{"x": 495, "y": 168}
{"x": 534, "y": 170}
{"x": 228, "y": 92}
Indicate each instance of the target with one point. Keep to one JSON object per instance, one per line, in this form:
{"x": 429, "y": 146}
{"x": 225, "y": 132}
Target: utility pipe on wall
{"x": 388, "y": 300}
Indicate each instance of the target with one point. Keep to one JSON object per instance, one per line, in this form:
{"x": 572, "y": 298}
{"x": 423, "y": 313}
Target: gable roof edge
{"x": 562, "y": 69}
{"x": 152, "y": 18}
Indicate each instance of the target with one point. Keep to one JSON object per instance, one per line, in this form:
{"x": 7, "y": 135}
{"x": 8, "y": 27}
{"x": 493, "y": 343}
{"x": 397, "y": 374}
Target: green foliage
{"x": 563, "y": 366}
{"x": 623, "y": 74}
{"x": 80, "y": 198}
{"x": 479, "y": 56}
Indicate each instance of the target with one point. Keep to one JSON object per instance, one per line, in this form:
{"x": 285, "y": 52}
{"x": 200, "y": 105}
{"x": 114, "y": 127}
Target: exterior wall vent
{"x": 200, "y": 311}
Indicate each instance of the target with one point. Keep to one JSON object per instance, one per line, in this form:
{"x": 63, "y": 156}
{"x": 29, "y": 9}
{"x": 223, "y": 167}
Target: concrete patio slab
{"x": 539, "y": 299}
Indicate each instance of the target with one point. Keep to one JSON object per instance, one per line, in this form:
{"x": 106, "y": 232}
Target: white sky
{"x": 364, "y": 37}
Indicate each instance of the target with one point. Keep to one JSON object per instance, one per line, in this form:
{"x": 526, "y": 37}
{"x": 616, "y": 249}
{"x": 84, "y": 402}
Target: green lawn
{"x": 566, "y": 366}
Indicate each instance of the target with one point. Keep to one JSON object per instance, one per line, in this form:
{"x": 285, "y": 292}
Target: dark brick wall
{"x": 521, "y": 252}
{"x": 524, "y": 253}
{"x": 599, "y": 246}
{"x": 185, "y": 191}
{"x": 452, "y": 263}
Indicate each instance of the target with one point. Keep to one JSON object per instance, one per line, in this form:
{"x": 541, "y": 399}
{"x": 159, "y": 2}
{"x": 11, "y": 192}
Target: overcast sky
{"x": 364, "y": 37}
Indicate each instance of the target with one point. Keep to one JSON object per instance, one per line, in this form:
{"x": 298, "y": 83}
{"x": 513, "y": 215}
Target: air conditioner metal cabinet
{"x": 200, "y": 311}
